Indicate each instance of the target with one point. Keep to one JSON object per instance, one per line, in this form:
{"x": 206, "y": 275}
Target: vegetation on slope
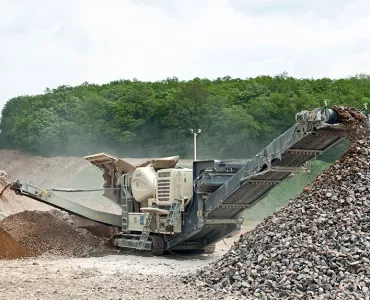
{"x": 146, "y": 119}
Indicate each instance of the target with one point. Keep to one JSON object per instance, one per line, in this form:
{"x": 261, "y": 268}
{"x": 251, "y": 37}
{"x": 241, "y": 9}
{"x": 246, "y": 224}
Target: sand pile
{"x": 10, "y": 248}
{"x": 317, "y": 247}
{"x": 52, "y": 233}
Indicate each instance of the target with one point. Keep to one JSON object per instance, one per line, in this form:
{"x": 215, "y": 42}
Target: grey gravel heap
{"x": 316, "y": 247}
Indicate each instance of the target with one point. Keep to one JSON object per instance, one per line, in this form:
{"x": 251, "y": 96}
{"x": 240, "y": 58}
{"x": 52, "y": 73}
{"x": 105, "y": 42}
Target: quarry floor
{"x": 116, "y": 276}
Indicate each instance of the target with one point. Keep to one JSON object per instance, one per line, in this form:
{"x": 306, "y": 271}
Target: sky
{"x": 46, "y": 44}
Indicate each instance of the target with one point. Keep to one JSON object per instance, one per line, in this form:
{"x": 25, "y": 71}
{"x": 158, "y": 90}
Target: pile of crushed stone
{"x": 53, "y": 233}
{"x": 316, "y": 247}
{"x": 10, "y": 248}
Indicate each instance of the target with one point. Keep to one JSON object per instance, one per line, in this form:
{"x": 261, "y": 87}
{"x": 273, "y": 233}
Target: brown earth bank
{"x": 10, "y": 248}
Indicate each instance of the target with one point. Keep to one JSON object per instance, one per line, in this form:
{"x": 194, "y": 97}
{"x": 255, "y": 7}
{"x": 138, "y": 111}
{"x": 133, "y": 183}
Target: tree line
{"x": 132, "y": 118}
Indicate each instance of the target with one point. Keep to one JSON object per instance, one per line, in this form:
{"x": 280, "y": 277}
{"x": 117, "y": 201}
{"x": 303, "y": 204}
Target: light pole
{"x": 195, "y": 141}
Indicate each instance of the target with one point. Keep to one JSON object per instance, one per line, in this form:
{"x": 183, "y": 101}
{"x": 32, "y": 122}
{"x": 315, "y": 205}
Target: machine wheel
{"x": 157, "y": 245}
{"x": 210, "y": 249}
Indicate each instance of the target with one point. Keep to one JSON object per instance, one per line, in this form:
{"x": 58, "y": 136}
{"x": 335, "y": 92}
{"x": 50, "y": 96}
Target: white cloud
{"x": 52, "y": 43}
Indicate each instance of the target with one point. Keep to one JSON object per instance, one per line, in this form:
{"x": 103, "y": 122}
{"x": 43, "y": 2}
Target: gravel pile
{"x": 52, "y": 233}
{"x": 316, "y": 247}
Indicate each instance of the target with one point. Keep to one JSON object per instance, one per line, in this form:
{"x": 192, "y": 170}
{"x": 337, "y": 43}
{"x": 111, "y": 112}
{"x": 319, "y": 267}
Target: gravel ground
{"x": 121, "y": 276}
{"x": 110, "y": 277}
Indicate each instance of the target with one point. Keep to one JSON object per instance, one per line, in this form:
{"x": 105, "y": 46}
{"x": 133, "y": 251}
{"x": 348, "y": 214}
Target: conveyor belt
{"x": 252, "y": 182}
{"x": 48, "y": 197}
{"x": 222, "y": 210}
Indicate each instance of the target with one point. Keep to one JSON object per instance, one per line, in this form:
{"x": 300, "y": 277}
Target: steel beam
{"x": 231, "y": 205}
{"x": 264, "y": 181}
{"x": 70, "y": 206}
{"x": 326, "y": 132}
{"x": 221, "y": 221}
{"x": 305, "y": 151}
{"x": 288, "y": 169}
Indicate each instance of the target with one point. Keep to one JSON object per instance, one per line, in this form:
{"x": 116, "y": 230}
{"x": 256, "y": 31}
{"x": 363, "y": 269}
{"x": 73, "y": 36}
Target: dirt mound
{"x": 317, "y": 247}
{"x": 10, "y": 248}
{"x": 52, "y": 233}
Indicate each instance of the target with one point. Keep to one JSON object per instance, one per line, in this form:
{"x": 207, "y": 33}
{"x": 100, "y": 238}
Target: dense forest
{"x": 152, "y": 119}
